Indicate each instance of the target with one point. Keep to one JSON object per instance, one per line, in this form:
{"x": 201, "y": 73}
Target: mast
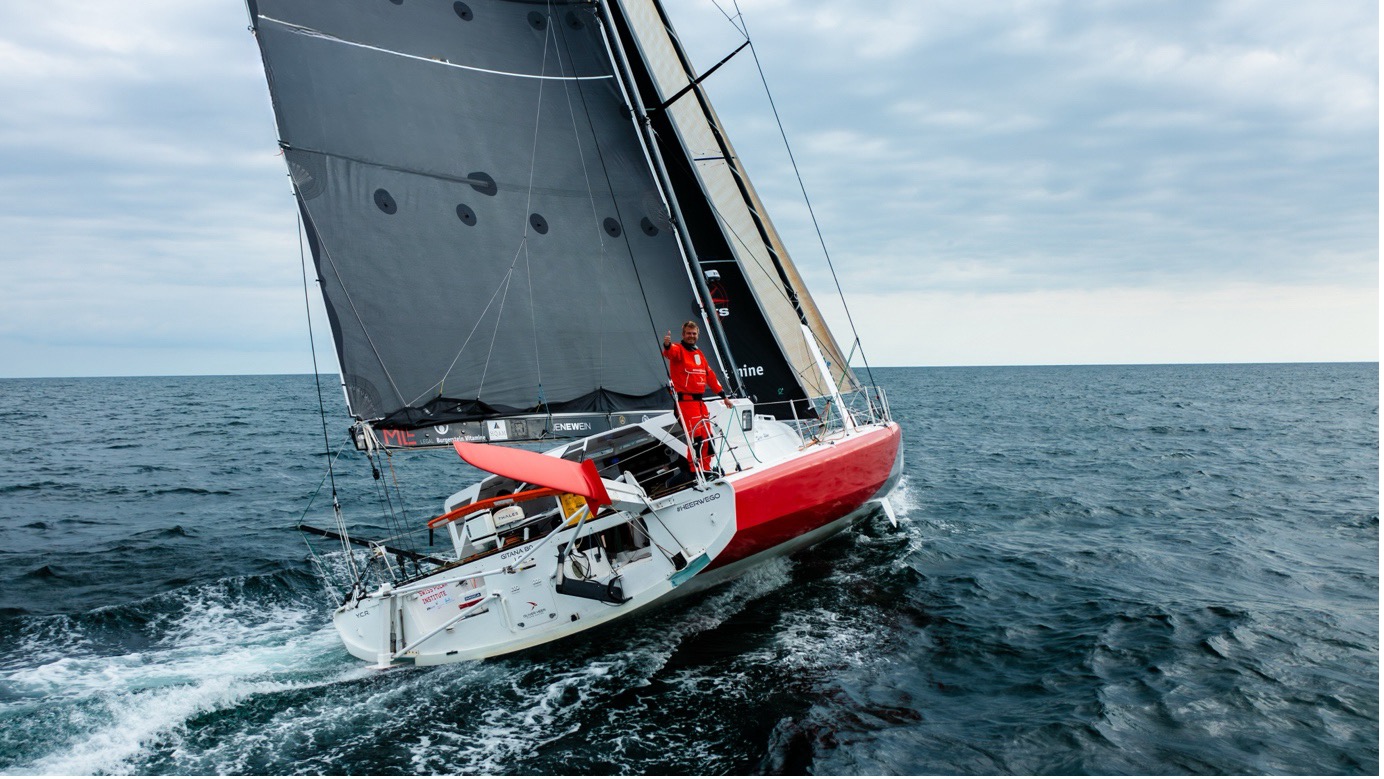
{"x": 734, "y": 232}
{"x": 641, "y": 117}
{"x": 694, "y": 86}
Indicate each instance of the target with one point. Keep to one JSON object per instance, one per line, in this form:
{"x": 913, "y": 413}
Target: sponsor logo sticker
{"x": 699, "y": 501}
{"x": 435, "y": 597}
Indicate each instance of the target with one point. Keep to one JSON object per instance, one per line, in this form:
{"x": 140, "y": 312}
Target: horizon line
{"x": 854, "y": 368}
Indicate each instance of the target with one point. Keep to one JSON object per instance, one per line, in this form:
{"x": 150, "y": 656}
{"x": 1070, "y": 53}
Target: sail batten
{"x": 431, "y": 60}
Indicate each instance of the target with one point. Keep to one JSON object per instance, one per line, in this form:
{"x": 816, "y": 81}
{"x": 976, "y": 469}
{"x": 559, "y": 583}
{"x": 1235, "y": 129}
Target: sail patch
{"x": 483, "y": 183}
{"x": 385, "y": 201}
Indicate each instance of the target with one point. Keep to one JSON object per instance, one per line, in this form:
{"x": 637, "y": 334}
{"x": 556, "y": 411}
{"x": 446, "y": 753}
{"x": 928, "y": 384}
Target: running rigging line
{"x": 586, "y": 177}
{"x": 321, "y": 406}
{"x": 524, "y": 239}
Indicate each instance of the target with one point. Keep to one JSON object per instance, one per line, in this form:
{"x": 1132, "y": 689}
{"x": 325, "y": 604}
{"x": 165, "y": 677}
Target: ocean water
{"x": 1155, "y": 569}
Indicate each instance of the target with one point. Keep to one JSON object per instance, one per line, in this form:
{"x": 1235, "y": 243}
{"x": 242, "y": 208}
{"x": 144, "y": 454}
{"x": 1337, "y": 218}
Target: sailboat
{"x": 508, "y": 202}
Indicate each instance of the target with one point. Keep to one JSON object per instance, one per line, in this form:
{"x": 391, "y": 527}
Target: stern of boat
{"x": 577, "y": 579}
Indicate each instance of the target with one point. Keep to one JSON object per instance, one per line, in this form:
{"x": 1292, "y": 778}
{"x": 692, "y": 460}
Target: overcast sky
{"x": 998, "y": 182}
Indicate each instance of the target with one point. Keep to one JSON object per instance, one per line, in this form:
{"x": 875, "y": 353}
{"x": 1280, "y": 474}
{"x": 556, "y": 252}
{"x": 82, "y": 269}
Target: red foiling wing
{"x": 577, "y": 478}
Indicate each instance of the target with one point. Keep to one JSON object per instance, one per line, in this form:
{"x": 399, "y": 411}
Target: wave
{"x": 43, "y": 572}
{"x": 109, "y": 696}
{"x": 186, "y": 491}
{"x": 36, "y": 486}
{"x": 162, "y": 533}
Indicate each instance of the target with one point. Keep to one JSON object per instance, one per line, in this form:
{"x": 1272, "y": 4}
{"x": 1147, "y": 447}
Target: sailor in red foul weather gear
{"x": 692, "y": 375}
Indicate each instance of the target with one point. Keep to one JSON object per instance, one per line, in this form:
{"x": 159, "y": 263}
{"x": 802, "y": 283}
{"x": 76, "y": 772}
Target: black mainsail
{"x": 489, "y": 238}
{"x": 490, "y": 220}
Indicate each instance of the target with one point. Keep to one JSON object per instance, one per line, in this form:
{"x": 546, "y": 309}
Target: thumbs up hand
{"x": 667, "y": 339}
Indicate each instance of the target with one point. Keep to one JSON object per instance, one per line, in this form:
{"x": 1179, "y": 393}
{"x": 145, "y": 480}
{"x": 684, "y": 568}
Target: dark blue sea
{"x": 1108, "y": 570}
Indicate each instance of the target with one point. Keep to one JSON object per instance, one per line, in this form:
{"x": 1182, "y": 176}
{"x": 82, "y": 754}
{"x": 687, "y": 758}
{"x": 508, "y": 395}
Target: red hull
{"x": 779, "y": 503}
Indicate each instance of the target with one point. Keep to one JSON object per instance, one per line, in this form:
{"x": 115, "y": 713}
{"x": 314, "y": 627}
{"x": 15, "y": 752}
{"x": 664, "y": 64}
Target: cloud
{"x": 1243, "y": 322}
{"x": 967, "y": 157}
{"x": 1064, "y": 145}
{"x": 144, "y": 209}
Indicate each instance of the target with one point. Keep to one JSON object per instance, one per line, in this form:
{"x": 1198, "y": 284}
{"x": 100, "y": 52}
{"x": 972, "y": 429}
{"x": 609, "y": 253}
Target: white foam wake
{"x": 216, "y": 649}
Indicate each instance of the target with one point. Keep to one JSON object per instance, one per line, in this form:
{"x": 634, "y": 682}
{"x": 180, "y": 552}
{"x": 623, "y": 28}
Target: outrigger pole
{"x": 414, "y": 556}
